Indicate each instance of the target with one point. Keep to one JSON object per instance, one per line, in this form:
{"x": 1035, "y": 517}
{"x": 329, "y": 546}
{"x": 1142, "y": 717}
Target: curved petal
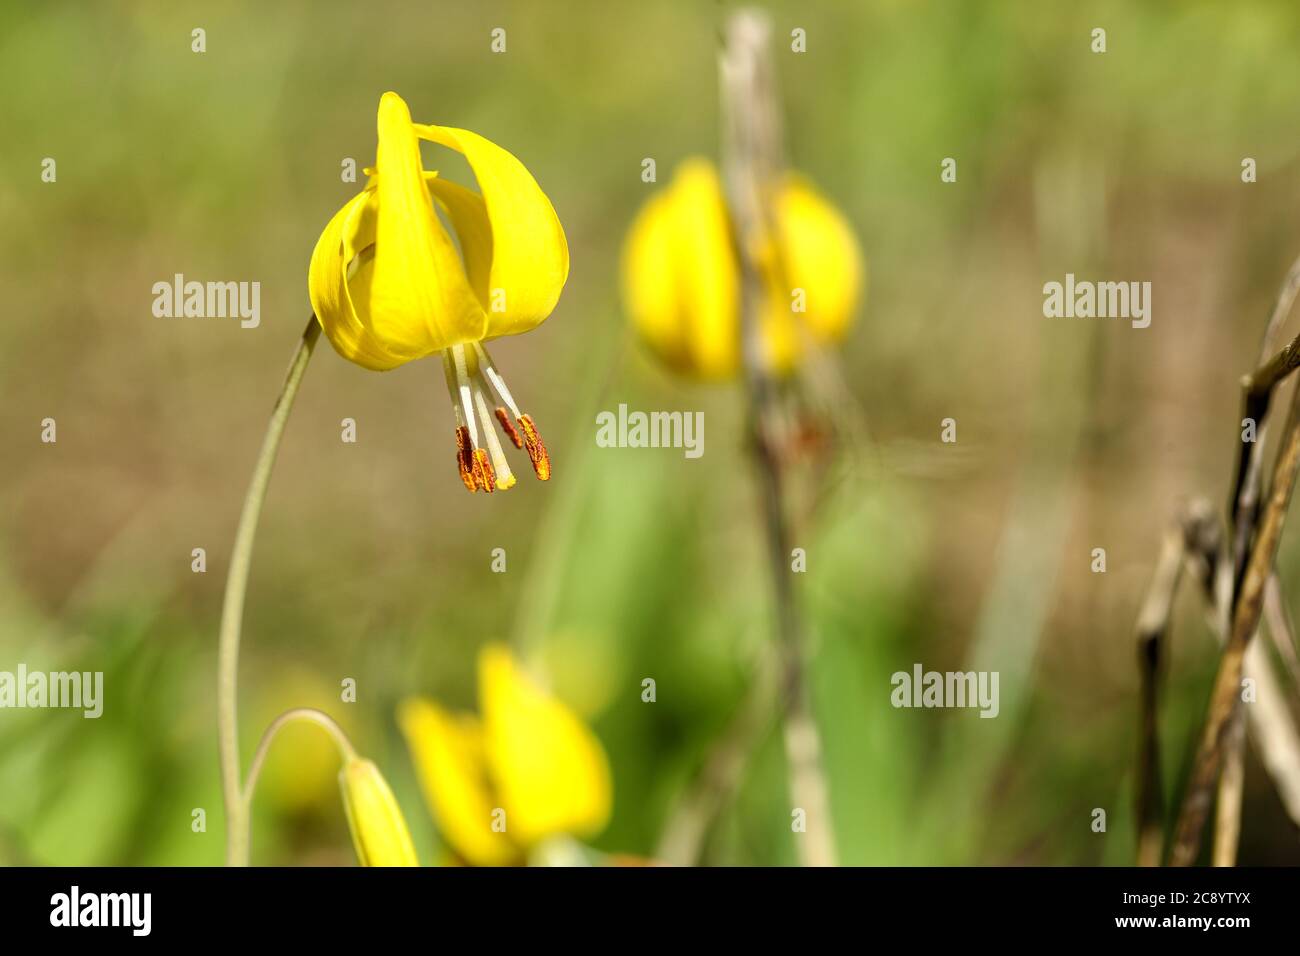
{"x": 779, "y": 334}
{"x": 650, "y": 287}
{"x": 549, "y": 768}
{"x": 469, "y": 219}
{"x": 420, "y": 299}
{"x": 529, "y": 254}
{"x": 781, "y": 342}
{"x": 710, "y": 284}
{"x": 680, "y": 275}
{"x": 820, "y": 255}
{"x": 327, "y": 287}
{"x": 448, "y": 753}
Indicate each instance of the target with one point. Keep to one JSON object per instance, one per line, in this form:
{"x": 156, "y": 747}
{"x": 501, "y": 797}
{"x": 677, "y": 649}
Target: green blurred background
{"x": 372, "y": 562}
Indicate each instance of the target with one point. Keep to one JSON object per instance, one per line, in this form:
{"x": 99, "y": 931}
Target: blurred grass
{"x": 373, "y": 564}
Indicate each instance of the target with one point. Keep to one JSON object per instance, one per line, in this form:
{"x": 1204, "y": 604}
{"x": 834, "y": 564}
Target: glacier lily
{"x": 501, "y": 784}
{"x": 682, "y": 284}
{"x": 389, "y": 285}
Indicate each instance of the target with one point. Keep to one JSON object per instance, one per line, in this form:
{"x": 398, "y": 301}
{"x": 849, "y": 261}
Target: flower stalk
{"x": 308, "y": 715}
{"x": 751, "y": 159}
{"x": 236, "y": 800}
{"x": 1216, "y": 736}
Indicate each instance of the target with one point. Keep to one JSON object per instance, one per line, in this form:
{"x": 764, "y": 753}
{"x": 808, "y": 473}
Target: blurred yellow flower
{"x": 389, "y": 285}
{"x": 498, "y": 785}
{"x": 681, "y": 281}
{"x": 379, "y": 830}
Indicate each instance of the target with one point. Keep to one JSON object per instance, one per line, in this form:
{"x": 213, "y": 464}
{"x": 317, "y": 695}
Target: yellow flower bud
{"x": 379, "y": 830}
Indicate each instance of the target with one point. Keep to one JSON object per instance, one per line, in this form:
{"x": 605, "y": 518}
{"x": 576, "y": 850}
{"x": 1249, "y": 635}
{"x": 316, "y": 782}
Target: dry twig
{"x": 1247, "y": 606}
{"x": 751, "y": 161}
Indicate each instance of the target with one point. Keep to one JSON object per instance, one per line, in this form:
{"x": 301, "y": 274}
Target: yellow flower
{"x": 528, "y": 769}
{"x": 389, "y": 285}
{"x": 681, "y": 281}
{"x": 378, "y": 828}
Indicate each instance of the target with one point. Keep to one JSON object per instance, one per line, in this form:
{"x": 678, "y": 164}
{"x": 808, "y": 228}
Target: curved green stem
{"x": 232, "y": 608}
{"x": 310, "y": 715}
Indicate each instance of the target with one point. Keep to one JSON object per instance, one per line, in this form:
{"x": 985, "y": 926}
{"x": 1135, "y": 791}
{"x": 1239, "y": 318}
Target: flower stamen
{"x": 507, "y": 427}
{"x": 475, "y": 470}
{"x": 465, "y": 456}
{"x": 494, "y": 377}
{"x": 535, "y": 448}
{"x": 464, "y": 443}
{"x": 531, "y": 440}
{"x": 484, "y": 476}
{"x": 475, "y": 386}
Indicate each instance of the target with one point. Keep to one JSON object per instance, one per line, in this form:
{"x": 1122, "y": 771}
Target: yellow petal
{"x": 709, "y": 285}
{"x": 649, "y": 285}
{"x": 420, "y": 300}
{"x": 780, "y": 336}
{"x": 349, "y": 233}
{"x": 468, "y": 216}
{"x": 515, "y": 220}
{"x": 680, "y": 278}
{"x": 820, "y": 255}
{"x": 448, "y": 753}
{"x": 378, "y": 828}
{"x": 549, "y": 768}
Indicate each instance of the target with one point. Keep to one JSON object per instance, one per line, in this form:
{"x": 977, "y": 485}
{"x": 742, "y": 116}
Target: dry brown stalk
{"x": 1247, "y": 607}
